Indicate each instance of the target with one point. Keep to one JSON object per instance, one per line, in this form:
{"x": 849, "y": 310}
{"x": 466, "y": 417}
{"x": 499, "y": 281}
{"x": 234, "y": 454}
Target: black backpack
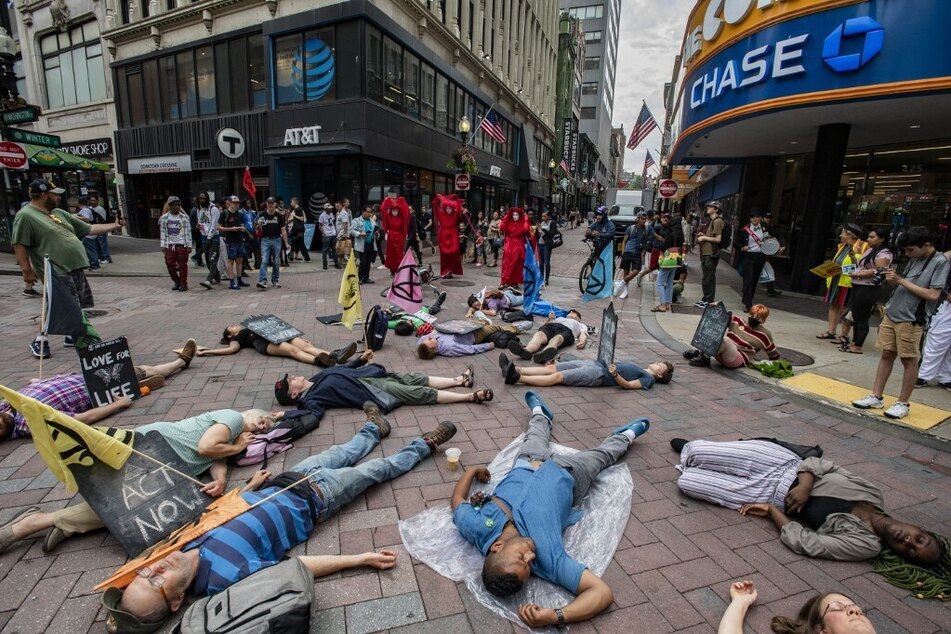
{"x": 375, "y": 328}
{"x": 726, "y": 238}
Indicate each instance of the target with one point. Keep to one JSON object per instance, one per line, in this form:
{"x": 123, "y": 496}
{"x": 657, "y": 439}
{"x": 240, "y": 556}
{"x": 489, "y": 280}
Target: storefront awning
{"x": 42, "y": 156}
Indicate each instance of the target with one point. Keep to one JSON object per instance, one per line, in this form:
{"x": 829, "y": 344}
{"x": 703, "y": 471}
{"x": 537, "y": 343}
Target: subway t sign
{"x": 20, "y": 115}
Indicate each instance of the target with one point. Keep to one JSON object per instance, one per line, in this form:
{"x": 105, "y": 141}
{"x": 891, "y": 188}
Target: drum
{"x": 770, "y": 246}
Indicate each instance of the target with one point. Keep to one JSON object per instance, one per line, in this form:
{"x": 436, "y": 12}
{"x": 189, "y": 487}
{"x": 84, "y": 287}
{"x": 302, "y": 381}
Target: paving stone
{"x": 381, "y": 614}
{"x": 456, "y": 624}
{"x": 694, "y": 574}
{"x": 348, "y": 590}
{"x": 399, "y": 579}
{"x": 642, "y": 558}
{"x": 16, "y": 586}
{"x": 667, "y": 599}
{"x": 488, "y": 622}
{"x": 37, "y": 610}
{"x": 440, "y": 594}
{"x": 332, "y": 621}
{"x": 647, "y": 618}
{"x": 76, "y": 615}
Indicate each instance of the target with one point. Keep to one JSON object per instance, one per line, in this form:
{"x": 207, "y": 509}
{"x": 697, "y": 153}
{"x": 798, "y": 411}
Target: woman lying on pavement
{"x": 587, "y": 373}
{"x": 820, "y": 509}
{"x": 237, "y": 336}
{"x": 742, "y": 341}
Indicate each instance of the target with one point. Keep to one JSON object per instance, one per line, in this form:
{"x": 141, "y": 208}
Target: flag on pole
{"x": 490, "y": 125}
{"x": 564, "y": 167}
{"x": 63, "y": 315}
{"x": 406, "y": 289}
{"x": 531, "y": 279}
{"x": 602, "y": 274}
{"x": 349, "y": 297}
{"x": 62, "y": 440}
{"x": 644, "y": 126}
{"x": 248, "y": 184}
{"x": 648, "y": 163}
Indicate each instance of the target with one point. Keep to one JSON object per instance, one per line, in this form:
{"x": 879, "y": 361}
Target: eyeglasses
{"x": 157, "y": 581}
{"x": 838, "y": 606}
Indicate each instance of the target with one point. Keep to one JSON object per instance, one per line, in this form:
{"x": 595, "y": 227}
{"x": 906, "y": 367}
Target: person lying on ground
{"x": 67, "y": 393}
{"x": 519, "y": 526}
{"x": 587, "y": 373}
{"x": 237, "y": 337}
{"x": 741, "y": 343}
{"x": 244, "y": 545}
{"x": 202, "y": 443}
{"x": 447, "y": 345}
{"x": 359, "y": 381}
{"x": 493, "y": 302}
{"x": 555, "y": 333}
{"x": 820, "y": 509}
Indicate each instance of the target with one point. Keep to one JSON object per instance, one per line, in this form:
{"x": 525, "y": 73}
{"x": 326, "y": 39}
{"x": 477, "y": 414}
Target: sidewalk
{"x": 795, "y": 320}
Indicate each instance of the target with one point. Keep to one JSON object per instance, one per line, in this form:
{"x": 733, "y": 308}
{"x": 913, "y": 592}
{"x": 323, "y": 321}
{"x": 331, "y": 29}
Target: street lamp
{"x": 551, "y": 179}
{"x": 8, "y": 78}
{"x": 464, "y": 127}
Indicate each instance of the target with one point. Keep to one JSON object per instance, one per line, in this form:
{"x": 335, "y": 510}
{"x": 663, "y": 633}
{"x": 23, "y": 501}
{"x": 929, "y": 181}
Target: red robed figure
{"x": 394, "y": 216}
{"x": 513, "y": 257}
{"x": 447, "y": 213}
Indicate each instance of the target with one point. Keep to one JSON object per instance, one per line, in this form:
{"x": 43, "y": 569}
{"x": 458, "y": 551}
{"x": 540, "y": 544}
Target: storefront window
{"x": 256, "y": 70}
{"x": 392, "y": 179}
{"x": 393, "y": 74}
{"x": 374, "y": 65}
{"x": 187, "y": 91}
{"x": 411, "y": 83}
{"x": 442, "y": 101}
{"x": 205, "y": 75}
{"x": 427, "y": 93}
{"x": 72, "y": 66}
{"x": 168, "y": 83}
{"x": 286, "y": 51}
{"x": 348, "y": 55}
{"x": 426, "y": 190}
{"x": 136, "y": 99}
{"x": 348, "y": 179}
{"x": 314, "y": 77}
{"x": 373, "y": 181}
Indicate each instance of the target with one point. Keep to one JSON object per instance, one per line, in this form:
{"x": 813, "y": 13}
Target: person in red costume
{"x": 394, "y": 216}
{"x": 447, "y": 214}
{"x": 516, "y": 229}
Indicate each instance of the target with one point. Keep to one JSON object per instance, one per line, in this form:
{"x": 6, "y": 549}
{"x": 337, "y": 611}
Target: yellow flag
{"x": 349, "y": 297}
{"x": 62, "y": 440}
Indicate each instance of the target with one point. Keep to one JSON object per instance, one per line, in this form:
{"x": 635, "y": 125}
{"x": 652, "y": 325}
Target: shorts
{"x": 581, "y": 373}
{"x": 260, "y": 344}
{"x": 78, "y": 287}
{"x": 551, "y": 330}
{"x": 409, "y": 388}
{"x": 631, "y": 262}
{"x": 903, "y": 338}
{"x": 236, "y": 250}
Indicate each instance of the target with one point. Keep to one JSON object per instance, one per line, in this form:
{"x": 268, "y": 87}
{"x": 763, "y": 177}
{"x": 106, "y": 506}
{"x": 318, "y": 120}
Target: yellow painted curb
{"x": 920, "y": 416}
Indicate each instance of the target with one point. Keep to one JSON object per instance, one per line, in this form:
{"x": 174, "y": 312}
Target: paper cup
{"x": 452, "y": 458}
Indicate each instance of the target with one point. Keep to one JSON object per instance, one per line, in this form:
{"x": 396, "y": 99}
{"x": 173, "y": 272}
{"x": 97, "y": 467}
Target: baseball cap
{"x": 173, "y": 199}
{"x": 713, "y": 203}
{"x": 328, "y": 206}
{"x": 120, "y": 621}
{"x": 282, "y": 391}
{"x": 271, "y": 199}
{"x": 755, "y": 212}
{"x": 232, "y": 199}
{"x": 41, "y": 186}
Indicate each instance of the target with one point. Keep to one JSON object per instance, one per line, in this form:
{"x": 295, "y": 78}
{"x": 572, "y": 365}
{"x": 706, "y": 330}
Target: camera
{"x": 879, "y": 278}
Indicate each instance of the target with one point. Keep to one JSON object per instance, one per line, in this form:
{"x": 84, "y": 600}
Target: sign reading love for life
{"x": 108, "y": 371}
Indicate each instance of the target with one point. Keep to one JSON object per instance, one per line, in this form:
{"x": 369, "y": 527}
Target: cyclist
{"x": 601, "y": 231}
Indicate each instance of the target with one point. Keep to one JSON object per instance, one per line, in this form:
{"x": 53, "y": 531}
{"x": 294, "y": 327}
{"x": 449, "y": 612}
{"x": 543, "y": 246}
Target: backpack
{"x": 726, "y": 238}
{"x": 275, "y": 600}
{"x": 510, "y": 315}
{"x": 276, "y": 441}
{"x": 501, "y": 339}
{"x": 375, "y": 328}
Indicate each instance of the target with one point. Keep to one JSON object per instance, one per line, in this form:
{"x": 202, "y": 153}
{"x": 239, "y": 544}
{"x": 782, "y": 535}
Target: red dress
{"x": 396, "y": 227}
{"x": 513, "y": 256}
{"x": 447, "y": 214}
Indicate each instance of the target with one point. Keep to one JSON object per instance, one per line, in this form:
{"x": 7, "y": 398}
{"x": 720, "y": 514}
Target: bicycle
{"x": 426, "y": 276}
{"x": 586, "y": 269}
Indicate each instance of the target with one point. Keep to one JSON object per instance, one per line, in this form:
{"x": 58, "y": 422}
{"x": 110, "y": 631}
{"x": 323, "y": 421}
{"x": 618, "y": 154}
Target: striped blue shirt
{"x": 252, "y": 541}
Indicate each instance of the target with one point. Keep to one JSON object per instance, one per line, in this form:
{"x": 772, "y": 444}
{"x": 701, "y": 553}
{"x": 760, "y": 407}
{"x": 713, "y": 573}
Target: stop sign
{"x": 462, "y": 182}
{"x": 667, "y": 188}
{"x": 12, "y": 155}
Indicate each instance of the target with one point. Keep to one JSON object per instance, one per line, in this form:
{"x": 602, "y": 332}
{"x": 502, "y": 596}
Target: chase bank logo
{"x": 832, "y": 47}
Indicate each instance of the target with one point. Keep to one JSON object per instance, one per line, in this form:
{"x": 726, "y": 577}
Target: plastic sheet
{"x": 432, "y": 537}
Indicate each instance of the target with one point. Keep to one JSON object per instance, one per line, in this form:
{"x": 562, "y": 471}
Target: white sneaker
{"x": 523, "y": 326}
{"x": 871, "y": 402}
{"x": 381, "y": 267}
{"x": 617, "y": 287}
{"x": 639, "y": 279}
{"x": 898, "y": 410}
{"x": 624, "y": 293}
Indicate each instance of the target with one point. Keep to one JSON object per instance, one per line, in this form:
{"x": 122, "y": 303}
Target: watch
{"x": 561, "y": 618}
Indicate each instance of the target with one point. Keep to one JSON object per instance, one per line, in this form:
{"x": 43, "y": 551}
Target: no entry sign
{"x": 462, "y": 182}
{"x": 667, "y": 188}
{"x": 12, "y": 156}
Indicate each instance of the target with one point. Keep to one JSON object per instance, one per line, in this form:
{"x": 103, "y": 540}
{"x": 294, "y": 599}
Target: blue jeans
{"x": 329, "y": 246}
{"x": 340, "y": 482}
{"x": 270, "y": 253}
{"x": 544, "y": 250}
{"x": 514, "y": 299}
{"x": 92, "y": 251}
{"x": 665, "y": 285}
{"x": 103, "y": 243}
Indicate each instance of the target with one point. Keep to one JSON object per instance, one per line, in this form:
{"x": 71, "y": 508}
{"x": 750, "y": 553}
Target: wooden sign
{"x": 710, "y": 330}
{"x": 272, "y": 328}
{"x": 108, "y": 371}
{"x": 608, "y": 338}
{"x": 142, "y": 502}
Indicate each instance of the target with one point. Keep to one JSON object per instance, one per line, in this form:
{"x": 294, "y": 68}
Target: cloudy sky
{"x": 650, "y": 37}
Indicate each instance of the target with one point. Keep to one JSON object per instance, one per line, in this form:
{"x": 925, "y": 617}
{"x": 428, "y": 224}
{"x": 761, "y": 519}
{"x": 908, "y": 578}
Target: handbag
{"x": 557, "y": 240}
{"x": 344, "y": 245}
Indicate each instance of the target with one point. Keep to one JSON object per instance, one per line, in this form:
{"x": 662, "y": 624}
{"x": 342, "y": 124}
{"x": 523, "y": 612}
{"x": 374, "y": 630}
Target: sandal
{"x": 827, "y": 335}
{"x": 841, "y": 340}
{"x": 658, "y": 309}
{"x": 468, "y": 377}
{"x": 847, "y": 348}
{"x": 483, "y": 396}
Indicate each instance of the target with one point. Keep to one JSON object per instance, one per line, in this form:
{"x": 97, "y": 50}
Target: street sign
{"x": 12, "y": 156}
{"x": 462, "y": 182}
{"x": 26, "y": 114}
{"x": 667, "y": 188}
{"x": 230, "y": 142}
{"x": 25, "y": 136}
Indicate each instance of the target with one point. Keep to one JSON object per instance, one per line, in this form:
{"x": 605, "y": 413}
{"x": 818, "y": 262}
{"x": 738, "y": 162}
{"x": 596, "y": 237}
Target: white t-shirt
{"x": 575, "y": 326}
{"x": 343, "y": 218}
{"x": 326, "y": 222}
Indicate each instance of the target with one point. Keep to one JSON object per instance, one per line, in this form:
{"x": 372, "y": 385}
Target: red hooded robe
{"x": 513, "y": 257}
{"x": 394, "y": 216}
{"x": 447, "y": 214}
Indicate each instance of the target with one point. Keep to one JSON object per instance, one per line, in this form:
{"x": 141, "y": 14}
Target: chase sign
{"x": 872, "y": 45}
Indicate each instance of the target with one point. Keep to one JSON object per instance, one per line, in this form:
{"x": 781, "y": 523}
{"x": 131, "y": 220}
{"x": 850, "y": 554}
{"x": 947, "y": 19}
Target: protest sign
{"x": 710, "y": 330}
{"x": 272, "y": 328}
{"x": 608, "y": 338}
{"x": 826, "y": 269}
{"x": 108, "y": 371}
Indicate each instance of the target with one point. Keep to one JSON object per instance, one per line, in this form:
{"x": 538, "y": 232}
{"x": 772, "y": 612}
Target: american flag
{"x": 645, "y": 124}
{"x": 565, "y": 168}
{"x": 648, "y": 163}
{"x": 490, "y": 124}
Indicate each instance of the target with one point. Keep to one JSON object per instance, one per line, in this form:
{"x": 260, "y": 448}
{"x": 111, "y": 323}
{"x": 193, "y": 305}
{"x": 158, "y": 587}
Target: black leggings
{"x": 861, "y": 302}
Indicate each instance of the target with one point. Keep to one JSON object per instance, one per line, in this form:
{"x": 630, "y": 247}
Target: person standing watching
{"x": 231, "y": 226}
{"x": 328, "y": 232}
{"x": 273, "y": 237}
{"x": 343, "y": 221}
{"x": 752, "y": 257}
{"x": 637, "y": 238}
{"x": 176, "y": 242}
{"x": 916, "y": 296}
{"x": 42, "y": 228}
{"x": 709, "y": 240}
{"x": 86, "y": 214}
{"x": 362, "y": 233}
{"x": 936, "y": 358}
{"x": 208, "y": 216}
{"x": 102, "y": 217}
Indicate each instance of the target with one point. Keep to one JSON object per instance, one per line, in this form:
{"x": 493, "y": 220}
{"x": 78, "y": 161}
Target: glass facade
{"x": 73, "y": 71}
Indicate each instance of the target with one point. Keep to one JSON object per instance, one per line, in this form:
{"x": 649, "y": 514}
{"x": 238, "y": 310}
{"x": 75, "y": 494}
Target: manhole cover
{"x": 490, "y": 273}
{"x": 95, "y": 313}
{"x": 794, "y": 357}
{"x": 686, "y": 309}
{"x": 457, "y": 282}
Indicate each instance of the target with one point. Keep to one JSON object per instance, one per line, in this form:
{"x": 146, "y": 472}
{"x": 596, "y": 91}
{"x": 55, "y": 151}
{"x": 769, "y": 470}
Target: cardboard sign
{"x": 458, "y": 326}
{"x": 710, "y": 330}
{"x": 142, "y": 502}
{"x": 108, "y": 371}
{"x": 272, "y": 328}
{"x": 826, "y": 269}
{"x": 608, "y": 335}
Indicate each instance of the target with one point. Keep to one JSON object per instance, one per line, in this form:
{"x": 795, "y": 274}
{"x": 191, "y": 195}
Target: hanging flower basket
{"x": 463, "y": 159}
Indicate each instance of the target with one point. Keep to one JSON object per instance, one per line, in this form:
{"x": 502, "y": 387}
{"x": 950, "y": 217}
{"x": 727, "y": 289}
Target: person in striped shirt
{"x": 743, "y": 341}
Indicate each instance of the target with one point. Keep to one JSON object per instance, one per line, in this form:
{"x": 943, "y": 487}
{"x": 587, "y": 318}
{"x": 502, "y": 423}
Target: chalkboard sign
{"x": 108, "y": 371}
{"x": 142, "y": 502}
{"x": 272, "y": 328}
{"x": 608, "y": 335}
{"x": 710, "y": 330}
{"x": 458, "y": 326}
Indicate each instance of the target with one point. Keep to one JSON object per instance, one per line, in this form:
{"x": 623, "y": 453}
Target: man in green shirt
{"x": 41, "y": 229}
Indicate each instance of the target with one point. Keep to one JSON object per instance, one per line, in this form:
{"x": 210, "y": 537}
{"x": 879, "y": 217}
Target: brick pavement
{"x": 676, "y": 557}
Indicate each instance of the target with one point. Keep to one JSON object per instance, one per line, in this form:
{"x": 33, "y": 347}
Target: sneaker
{"x": 523, "y": 326}
{"x": 638, "y": 426}
{"x": 443, "y": 432}
{"x": 69, "y": 342}
{"x": 177, "y": 287}
{"x": 517, "y": 348}
{"x": 40, "y": 348}
{"x": 183, "y": 288}
{"x": 946, "y": 386}
{"x": 376, "y": 417}
{"x": 31, "y": 292}
{"x": 510, "y": 373}
{"x": 921, "y": 383}
{"x": 700, "y": 304}
{"x": 691, "y": 354}
{"x": 152, "y": 382}
{"x": 241, "y": 282}
{"x": 205, "y": 284}
{"x": 54, "y": 538}
{"x": 869, "y": 402}
{"x": 898, "y": 410}
{"x": 617, "y": 287}
{"x": 340, "y": 355}
{"x": 700, "y": 361}
{"x": 6, "y": 531}
{"x": 533, "y": 400}
{"x": 625, "y": 292}
{"x": 381, "y": 267}
{"x": 261, "y": 284}
{"x": 324, "y": 360}
{"x": 544, "y": 356}
{"x": 275, "y": 284}
{"x": 639, "y": 280}
{"x": 188, "y": 352}
{"x": 677, "y": 444}
{"x": 107, "y": 261}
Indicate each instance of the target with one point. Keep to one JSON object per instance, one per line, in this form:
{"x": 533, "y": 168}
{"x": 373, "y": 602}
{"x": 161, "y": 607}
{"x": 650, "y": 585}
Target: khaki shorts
{"x": 903, "y": 338}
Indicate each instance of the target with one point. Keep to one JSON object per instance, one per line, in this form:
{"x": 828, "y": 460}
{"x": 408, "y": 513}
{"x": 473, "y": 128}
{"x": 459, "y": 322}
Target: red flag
{"x": 248, "y": 183}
